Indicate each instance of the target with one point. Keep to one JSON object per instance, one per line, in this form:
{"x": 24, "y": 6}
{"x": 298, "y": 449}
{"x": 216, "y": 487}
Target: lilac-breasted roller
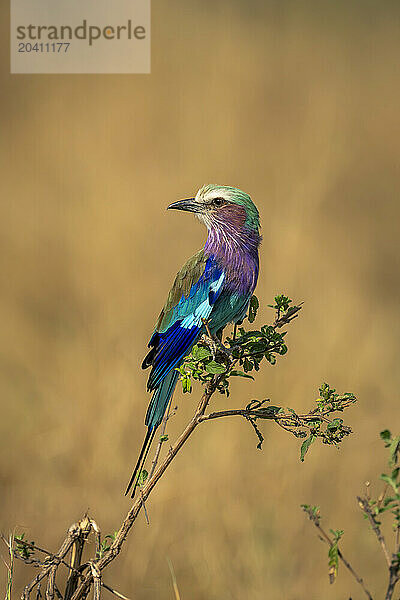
{"x": 215, "y": 286}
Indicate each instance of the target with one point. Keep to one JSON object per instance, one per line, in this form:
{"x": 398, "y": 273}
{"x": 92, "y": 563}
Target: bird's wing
{"x": 191, "y": 299}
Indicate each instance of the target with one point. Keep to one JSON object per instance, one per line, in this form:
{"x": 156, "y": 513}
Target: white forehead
{"x": 208, "y": 193}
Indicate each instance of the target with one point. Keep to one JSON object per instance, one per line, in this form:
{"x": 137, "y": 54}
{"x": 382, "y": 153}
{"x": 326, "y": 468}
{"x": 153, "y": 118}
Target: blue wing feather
{"x": 184, "y": 324}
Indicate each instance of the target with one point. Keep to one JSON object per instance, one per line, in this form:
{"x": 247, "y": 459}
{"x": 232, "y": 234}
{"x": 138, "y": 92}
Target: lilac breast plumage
{"x": 238, "y": 259}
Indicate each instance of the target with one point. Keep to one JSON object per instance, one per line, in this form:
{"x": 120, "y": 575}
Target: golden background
{"x": 298, "y": 104}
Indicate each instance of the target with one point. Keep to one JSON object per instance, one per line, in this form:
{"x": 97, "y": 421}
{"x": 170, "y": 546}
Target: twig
{"x": 110, "y": 589}
{"x": 115, "y": 548}
{"x": 37, "y": 563}
{"x": 160, "y": 443}
{"x": 52, "y": 589}
{"x": 97, "y": 533}
{"x": 83, "y": 576}
{"x": 393, "y": 563}
{"x": 85, "y": 527}
{"x": 325, "y": 537}
{"x": 145, "y": 509}
{"x": 51, "y": 579}
{"x": 207, "y": 328}
{"x": 288, "y": 421}
{"x": 364, "y": 505}
{"x": 73, "y": 533}
{"x": 80, "y": 582}
{"x": 29, "y": 561}
{"x": 393, "y": 579}
{"x": 291, "y": 313}
{"x": 96, "y": 574}
{"x": 10, "y": 567}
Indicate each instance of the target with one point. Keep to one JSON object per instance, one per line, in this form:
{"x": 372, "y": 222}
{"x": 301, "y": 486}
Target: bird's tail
{"x": 154, "y": 416}
{"x": 139, "y": 465}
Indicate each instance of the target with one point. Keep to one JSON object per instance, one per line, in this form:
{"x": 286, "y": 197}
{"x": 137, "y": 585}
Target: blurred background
{"x": 298, "y": 104}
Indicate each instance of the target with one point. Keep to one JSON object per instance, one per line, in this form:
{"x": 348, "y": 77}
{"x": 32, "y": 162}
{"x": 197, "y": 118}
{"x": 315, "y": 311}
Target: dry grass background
{"x": 298, "y": 104}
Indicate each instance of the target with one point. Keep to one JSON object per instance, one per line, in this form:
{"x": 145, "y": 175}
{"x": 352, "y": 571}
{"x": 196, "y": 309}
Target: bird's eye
{"x": 218, "y": 202}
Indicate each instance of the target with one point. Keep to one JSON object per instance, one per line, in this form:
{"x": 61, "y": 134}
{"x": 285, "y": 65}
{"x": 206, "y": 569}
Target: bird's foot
{"x": 214, "y": 342}
{"x": 210, "y": 342}
{"x": 216, "y": 346}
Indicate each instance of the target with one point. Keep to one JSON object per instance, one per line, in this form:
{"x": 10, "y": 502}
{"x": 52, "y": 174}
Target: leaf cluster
{"x": 333, "y": 554}
{"x": 106, "y": 543}
{"x": 243, "y": 353}
{"x": 319, "y": 422}
{"x": 243, "y": 349}
{"x": 389, "y": 500}
{"x": 373, "y": 508}
{"x": 333, "y": 539}
{"x": 331, "y": 432}
{"x": 23, "y": 548}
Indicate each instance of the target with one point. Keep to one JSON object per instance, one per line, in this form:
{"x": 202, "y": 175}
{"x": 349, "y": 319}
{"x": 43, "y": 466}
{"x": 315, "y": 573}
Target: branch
{"x": 160, "y": 442}
{"x": 392, "y": 563}
{"x": 115, "y": 548}
{"x": 289, "y": 420}
{"x": 73, "y": 532}
{"x": 290, "y": 314}
{"x": 364, "y": 505}
{"x": 213, "y": 367}
{"x": 314, "y": 517}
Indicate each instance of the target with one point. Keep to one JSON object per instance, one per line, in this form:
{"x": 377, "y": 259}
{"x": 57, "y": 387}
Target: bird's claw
{"x": 216, "y": 346}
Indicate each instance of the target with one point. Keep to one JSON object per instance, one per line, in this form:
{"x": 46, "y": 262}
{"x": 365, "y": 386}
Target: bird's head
{"x": 219, "y": 205}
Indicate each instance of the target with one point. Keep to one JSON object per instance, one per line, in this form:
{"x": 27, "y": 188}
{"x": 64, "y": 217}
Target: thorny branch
{"x": 214, "y": 377}
{"x": 83, "y": 576}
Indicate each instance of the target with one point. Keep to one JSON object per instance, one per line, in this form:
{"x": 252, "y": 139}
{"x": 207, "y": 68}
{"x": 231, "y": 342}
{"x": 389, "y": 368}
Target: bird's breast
{"x": 241, "y": 273}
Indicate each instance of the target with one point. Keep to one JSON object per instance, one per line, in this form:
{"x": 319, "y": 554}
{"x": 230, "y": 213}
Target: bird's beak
{"x": 188, "y": 204}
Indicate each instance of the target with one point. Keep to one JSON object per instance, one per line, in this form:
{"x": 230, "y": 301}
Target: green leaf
{"x": 313, "y": 511}
{"x": 281, "y": 303}
{"x": 337, "y": 533}
{"x": 186, "y": 383}
{"x": 306, "y": 445}
{"x": 390, "y": 481}
{"x": 334, "y": 424}
{"x": 333, "y": 555}
{"x": 142, "y": 477}
{"x": 253, "y": 308}
{"x": 386, "y": 435}
{"x": 164, "y": 438}
{"x": 215, "y": 368}
{"x": 22, "y": 549}
{"x": 394, "y": 449}
{"x": 247, "y": 365}
{"x": 240, "y": 374}
{"x": 271, "y": 409}
{"x": 200, "y": 353}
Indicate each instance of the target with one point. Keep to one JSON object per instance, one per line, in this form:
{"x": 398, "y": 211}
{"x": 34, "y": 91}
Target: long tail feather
{"x": 155, "y": 413}
{"x": 159, "y": 401}
{"x": 141, "y": 460}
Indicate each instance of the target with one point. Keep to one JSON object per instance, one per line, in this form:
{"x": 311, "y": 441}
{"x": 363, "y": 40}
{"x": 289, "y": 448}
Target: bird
{"x": 213, "y": 288}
